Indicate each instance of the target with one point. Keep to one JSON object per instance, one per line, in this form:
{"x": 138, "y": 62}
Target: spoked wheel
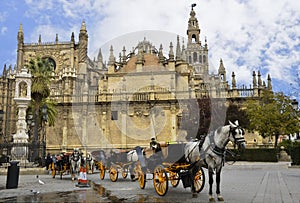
{"x": 160, "y": 180}
{"x": 101, "y": 168}
{"x": 53, "y": 171}
{"x": 174, "y": 179}
{"x": 124, "y": 172}
{"x": 141, "y": 176}
{"x": 113, "y": 174}
{"x": 199, "y": 180}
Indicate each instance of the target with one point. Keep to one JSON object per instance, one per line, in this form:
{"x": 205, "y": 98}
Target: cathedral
{"x": 126, "y": 102}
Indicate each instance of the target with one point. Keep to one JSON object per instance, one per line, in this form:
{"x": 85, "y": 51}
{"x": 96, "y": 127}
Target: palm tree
{"x": 41, "y": 70}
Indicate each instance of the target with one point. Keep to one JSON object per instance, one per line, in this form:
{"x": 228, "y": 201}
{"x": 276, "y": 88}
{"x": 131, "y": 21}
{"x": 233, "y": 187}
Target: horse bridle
{"x": 237, "y": 140}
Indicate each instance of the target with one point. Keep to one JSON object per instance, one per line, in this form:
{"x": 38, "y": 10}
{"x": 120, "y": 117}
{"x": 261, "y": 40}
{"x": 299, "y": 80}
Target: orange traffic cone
{"x": 82, "y": 179}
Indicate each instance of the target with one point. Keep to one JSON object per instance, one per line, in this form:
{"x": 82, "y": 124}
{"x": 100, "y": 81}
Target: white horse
{"x": 211, "y": 154}
{"x": 133, "y": 156}
{"x": 90, "y": 162}
{"x": 75, "y": 160}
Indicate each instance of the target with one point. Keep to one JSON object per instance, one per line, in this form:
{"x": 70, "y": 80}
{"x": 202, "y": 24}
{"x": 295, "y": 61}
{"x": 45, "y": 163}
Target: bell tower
{"x": 193, "y": 30}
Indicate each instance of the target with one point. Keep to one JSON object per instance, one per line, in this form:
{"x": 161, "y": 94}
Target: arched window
{"x": 193, "y": 38}
{"x": 51, "y": 62}
{"x": 200, "y": 58}
{"x": 204, "y": 59}
{"x": 190, "y": 59}
{"x": 195, "y": 57}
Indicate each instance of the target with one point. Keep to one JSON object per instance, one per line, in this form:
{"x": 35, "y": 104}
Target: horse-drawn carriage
{"x": 166, "y": 165}
{"x": 115, "y": 161}
{"x": 66, "y": 163}
{"x": 185, "y": 161}
{"x": 61, "y": 164}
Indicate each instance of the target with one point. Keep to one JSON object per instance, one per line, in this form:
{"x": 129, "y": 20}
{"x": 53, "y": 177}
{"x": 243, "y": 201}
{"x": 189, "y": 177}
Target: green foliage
{"x": 255, "y": 154}
{"x": 295, "y": 155}
{"x": 41, "y": 70}
{"x": 236, "y": 112}
{"x": 272, "y": 115}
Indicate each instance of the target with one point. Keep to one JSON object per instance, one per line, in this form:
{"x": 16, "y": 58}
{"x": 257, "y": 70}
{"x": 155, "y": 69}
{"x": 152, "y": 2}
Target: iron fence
{"x": 7, "y": 148}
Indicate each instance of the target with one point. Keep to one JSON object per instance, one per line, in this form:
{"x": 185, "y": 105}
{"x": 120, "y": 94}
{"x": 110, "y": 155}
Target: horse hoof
{"x": 220, "y": 198}
{"x": 194, "y": 195}
{"x": 211, "y": 199}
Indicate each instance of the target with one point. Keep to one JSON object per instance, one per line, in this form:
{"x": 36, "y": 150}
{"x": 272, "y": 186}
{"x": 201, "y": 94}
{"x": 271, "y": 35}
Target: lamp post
{"x": 30, "y": 125}
{"x": 44, "y": 119}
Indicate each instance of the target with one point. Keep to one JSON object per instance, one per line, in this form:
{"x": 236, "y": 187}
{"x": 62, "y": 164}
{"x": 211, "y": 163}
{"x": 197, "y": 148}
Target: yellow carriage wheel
{"x": 160, "y": 180}
{"x": 141, "y": 176}
{"x": 124, "y": 173}
{"x": 101, "y": 170}
{"x": 113, "y": 174}
{"x": 142, "y": 179}
{"x": 199, "y": 180}
{"x": 53, "y": 171}
{"x": 174, "y": 178}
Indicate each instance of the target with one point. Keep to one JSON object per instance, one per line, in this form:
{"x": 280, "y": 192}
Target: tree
{"x": 272, "y": 115}
{"x": 41, "y": 70}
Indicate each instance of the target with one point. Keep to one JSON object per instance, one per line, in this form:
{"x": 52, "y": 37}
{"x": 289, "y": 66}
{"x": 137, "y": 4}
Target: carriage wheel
{"x": 53, "y": 171}
{"x": 160, "y": 180}
{"x": 113, "y": 174}
{"x": 101, "y": 168}
{"x": 142, "y": 179}
{"x": 174, "y": 179}
{"x": 141, "y": 176}
{"x": 124, "y": 173}
{"x": 199, "y": 180}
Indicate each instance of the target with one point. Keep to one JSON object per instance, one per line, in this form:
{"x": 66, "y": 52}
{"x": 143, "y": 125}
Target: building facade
{"x": 125, "y": 102}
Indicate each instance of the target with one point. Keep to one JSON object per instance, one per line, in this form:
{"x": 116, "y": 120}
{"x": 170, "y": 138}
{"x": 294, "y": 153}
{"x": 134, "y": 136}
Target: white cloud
{"x": 247, "y": 35}
{"x": 3, "y": 16}
{"x": 3, "y": 30}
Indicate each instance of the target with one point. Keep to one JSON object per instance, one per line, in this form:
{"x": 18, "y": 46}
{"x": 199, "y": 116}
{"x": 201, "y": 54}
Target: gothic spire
{"x": 160, "y": 54}
{"x": 171, "y": 53}
{"x": 111, "y": 60}
{"x": 254, "y": 79}
{"x": 269, "y": 83}
{"x": 124, "y": 55}
{"x": 233, "y": 81}
{"x": 72, "y": 37}
{"x": 222, "y": 71}
{"x": 99, "y": 57}
{"x": 20, "y": 34}
{"x": 178, "y": 51}
{"x": 259, "y": 79}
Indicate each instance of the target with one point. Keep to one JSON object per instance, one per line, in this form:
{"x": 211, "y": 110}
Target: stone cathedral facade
{"x": 122, "y": 103}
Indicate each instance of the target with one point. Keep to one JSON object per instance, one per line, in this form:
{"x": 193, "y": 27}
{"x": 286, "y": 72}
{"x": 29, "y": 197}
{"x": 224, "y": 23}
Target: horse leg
{"x": 218, "y": 180}
{"x": 194, "y": 171}
{"x": 211, "y": 181}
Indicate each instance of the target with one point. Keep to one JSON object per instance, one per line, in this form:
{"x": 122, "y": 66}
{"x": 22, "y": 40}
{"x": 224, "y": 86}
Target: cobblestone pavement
{"x": 241, "y": 182}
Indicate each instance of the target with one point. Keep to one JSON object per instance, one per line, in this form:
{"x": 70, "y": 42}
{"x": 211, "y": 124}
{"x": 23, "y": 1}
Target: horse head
{"x": 236, "y": 134}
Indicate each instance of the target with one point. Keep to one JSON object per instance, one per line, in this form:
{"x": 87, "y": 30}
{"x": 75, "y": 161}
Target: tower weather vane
{"x": 193, "y": 5}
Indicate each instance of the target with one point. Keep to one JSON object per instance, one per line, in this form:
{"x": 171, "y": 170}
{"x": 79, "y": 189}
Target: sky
{"x": 249, "y": 35}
